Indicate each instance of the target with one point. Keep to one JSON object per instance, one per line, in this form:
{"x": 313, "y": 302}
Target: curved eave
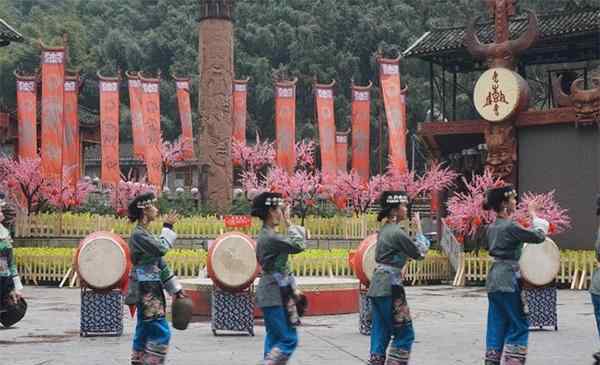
{"x": 8, "y": 34}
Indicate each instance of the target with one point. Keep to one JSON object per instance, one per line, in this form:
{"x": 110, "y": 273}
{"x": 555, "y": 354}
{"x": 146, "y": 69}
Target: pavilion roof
{"x": 565, "y": 36}
{"x": 8, "y": 34}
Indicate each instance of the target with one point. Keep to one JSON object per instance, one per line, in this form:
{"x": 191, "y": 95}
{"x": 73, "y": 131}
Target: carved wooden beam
{"x": 476, "y": 126}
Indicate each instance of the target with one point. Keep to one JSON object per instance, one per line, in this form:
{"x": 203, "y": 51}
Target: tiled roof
{"x": 551, "y": 26}
{"x": 8, "y": 34}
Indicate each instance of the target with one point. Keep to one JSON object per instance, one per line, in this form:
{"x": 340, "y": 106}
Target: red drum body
{"x": 363, "y": 260}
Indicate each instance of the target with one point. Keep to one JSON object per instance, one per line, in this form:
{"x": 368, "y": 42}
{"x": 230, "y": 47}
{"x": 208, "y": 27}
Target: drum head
{"x": 233, "y": 261}
{"x": 368, "y": 257}
{"x": 101, "y": 262}
{"x": 540, "y": 263}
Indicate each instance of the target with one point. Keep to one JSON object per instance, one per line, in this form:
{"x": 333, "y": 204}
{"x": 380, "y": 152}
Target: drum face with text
{"x": 102, "y": 260}
{"x": 540, "y": 263}
{"x": 232, "y": 263}
{"x": 364, "y": 259}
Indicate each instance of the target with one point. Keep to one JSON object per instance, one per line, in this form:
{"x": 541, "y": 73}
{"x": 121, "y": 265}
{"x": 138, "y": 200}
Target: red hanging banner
{"x": 53, "y": 78}
{"x": 240, "y": 94}
{"x": 135, "y": 108}
{"x": 151, "y": 112}
{"x": 326, "y": 119}
{"x": 361, "y": 121}
{"x": 285, "y": 124}
{"x": 72, "y": 150}
{"x": 109, "y": 129}
{"x": 185, "y": 114}
{"x": 341, "y": 151}
{"x": 27, "y": 116}
{"x": 394, "y": 98}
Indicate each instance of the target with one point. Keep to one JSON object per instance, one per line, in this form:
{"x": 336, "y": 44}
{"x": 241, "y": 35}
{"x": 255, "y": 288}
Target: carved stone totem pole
{"x": 501, "y": 93}
{"x": 215, "y": 63}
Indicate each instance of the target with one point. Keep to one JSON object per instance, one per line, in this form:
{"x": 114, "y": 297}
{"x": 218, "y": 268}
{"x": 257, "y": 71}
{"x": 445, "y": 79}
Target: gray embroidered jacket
{"x": 272, "y": 251}
{"x": 595, "y": 287}
{"x": 505, "y": 242}
{"x": 148, "y": 263}
{"x": 394, "y": 248}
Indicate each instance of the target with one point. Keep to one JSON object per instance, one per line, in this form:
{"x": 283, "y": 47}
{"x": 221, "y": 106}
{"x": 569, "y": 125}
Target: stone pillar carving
{"x": 215, "y": 63}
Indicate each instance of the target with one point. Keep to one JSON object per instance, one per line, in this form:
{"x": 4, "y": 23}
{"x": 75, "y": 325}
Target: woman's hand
{"x": 180, "y": 295}
{"x": 532, "y": 208}
{"x": 286, "y": 212}
{"x": 417, "y": 222}
{"x": 14, "y": 297}
{"x": 172, "y": 218}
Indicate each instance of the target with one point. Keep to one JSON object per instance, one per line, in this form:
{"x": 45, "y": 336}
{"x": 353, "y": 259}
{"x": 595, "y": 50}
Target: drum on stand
{"x": 540, "y": 263}
{"x": 102, "y": 261}
{"x": 232, "y": 263}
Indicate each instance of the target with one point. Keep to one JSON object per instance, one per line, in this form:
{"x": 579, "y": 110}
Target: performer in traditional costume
{"x": 507, "y": 324}
{"x": 150, "y": 276}
{"x": 595, "y": 287}
{"x": 10, "y": 283}
{"x": 390, "y": 312}
{"x": 276, "y": 293}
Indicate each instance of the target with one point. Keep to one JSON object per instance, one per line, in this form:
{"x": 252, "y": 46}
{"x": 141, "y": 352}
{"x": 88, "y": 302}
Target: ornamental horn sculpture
{"x": 503, "y": 52}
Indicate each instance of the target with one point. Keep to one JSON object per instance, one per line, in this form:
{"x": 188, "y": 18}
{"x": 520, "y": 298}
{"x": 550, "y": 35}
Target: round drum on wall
{"x": 500, "y": 94}
{"x": 363, "y": 261}
{"x": 232, "y": 263}
{"x": 540, "y": 263}
{"x": 102, "y": 260}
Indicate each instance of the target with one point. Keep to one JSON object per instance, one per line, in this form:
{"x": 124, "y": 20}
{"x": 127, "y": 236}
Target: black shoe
{"x": 597, "y": 356}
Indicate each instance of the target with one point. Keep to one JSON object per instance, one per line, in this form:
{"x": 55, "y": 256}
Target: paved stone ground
{"x": 450, "y": 325}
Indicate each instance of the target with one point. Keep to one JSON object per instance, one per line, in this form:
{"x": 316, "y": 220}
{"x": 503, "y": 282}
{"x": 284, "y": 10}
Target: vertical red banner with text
{"x": 341, "y": 151}
{"x": 135, "y": 109}
{"x": 151, "y": 111}
{"x": 285, "y": 124}
{"x": 185, "y": 114}
{"x": 27, "y": 116}
{"x": 72, "y": 147}
{"x": 53, "y": 78}
{"x": 240, "y": 113}
{"x": 361, "y": 137}
{"x": 326, "y": 120}
{"x": 394, "y": 98}
{"x": 109, "y": 129}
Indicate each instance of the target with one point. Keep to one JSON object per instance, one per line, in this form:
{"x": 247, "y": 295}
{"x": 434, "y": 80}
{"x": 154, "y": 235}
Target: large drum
{"x": 363, "y": 260}
{"x": 102, "y": 261}
{"x": 540, "y": 263}
{"x": 232, "y": 263}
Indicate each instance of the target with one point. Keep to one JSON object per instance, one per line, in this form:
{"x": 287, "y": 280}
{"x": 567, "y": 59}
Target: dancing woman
{"x": 150, "y": 276}
{"x": 10, "y": 283}
{"x": 391, "y": 315}
{"x": 276, "y": 292}
{"x": 507, "y": 324}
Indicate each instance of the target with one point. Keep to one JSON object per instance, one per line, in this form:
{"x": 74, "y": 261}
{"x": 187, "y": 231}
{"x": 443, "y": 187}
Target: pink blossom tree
{"x": 305, "y": 155}
{"x": 548, "y": 209}
{"x": 435, "y": 178}
{"x": 25, "y": 182}
{"x": 65, "y": 196}
{"x": 171, "y": 154}
{"x": 361, "y": 196}
{"x": 253, "y": 157}
{"x": 465, "y": 210}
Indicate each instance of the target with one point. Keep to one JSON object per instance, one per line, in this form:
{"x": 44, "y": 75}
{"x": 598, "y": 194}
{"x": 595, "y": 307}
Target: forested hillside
{"x": 332, "y": 39}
